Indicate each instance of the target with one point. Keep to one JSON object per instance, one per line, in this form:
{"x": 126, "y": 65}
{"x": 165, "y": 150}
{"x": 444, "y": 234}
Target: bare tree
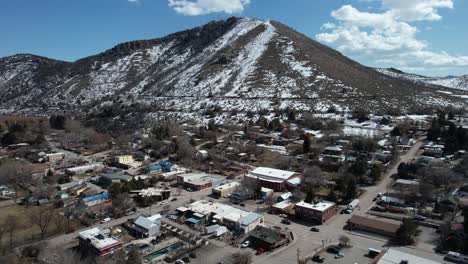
{"x": 344, "y": 240}
{"x": 314, "y": 175}
{"x": 16, "y": 173}
{"x": 3, "y": 231}
{"x": 121, "y": 204}
{"x": 242, "y": 258}
{"x": 59, "y": 221}
{"x": 11, "y": 225}
{"x": 42, "y": 218}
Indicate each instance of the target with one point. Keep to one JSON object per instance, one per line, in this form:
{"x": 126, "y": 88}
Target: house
{"x": 319, "y": 212}
{"x": 55, "y": 157}
{"x": 406, "y": 186}
{"x": 433, "y": 150}
{"x": 225, "y": 190}
{"x": 96, "y": 199}
{"x": 6, "y": 191}
{"x": 153, "y": 168}
{"x": 108, "y": 178}
{"x": 271, "y": 178}
{"x": 147, "y": 226}
{"x": 202, "y": 154}
{"x": 284, "y": 196}
{"x": 98, "y": 244}
{"x": 199, "y": 181}
{"x": 267, "y": 238}
{"x": 394, "y": 256}
{"x": 373, "y": 225}
{"x": 159, "y": 194}
{"x": 333, "y": 154}
{"x": 265, "y": 192}
{"x": 216, "y": 230}
{"x": 124, "y": 159}
{"x": 240, "y": 196}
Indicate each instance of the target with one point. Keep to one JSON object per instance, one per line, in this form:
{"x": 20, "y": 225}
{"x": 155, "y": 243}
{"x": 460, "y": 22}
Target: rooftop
{"x": 268, "y": 235}
{"x": 374, "y": 223}
{"x": 392, "y": 256}
{"x": 99, "y": 238}
{"x": 224, "y": 211}
{"x": 272, "y": 173}
{"x": 321, "y": 206}
{"x": 148, "y": 222}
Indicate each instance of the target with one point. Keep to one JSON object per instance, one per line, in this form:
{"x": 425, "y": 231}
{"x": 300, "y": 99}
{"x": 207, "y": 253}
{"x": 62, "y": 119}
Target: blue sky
{"x": 422, "y": 36}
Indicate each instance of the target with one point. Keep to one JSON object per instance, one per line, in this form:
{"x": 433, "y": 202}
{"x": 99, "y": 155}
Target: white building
{"x": 226, "y": 189}
{"x": 392, "y": 256}
{"x": 147, "y": 226}
{"x": 272, "y": 178}
{"x": 232, "y": 217}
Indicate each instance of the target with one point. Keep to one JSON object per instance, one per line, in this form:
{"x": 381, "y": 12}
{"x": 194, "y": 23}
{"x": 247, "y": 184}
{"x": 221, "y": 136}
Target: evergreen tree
{"x": 332, "y": 195}
{"x": 306, "y": 144}
{"x": 407, "y": 231}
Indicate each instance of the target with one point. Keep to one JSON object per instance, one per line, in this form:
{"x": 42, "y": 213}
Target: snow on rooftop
{"x": 392, "y": 256}
{"x": 321, "y": 206}
{"x": 100, "y": 238}
{"x": 272, "y": 173}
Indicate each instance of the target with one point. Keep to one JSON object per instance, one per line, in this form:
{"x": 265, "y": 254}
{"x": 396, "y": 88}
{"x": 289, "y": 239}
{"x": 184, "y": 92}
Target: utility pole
{"x": 299, "y": 256}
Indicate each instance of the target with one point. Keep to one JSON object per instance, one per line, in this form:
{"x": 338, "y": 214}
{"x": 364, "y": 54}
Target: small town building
{"x": 283, "y": 207}
{"x": 267, "y": 238}
{"x": 69, "y": 185}
{"x": 319, "y": 212}
{"x": 233, "y": 218}
{"x": 434, "y": 150}
{"x": 98, "y": 244}
{"x": 124, "y": 159}
{"x": 199, "y": 181}
{"x": 147, "y": 226}
{"x": 108, "y": 178}
{"x": 271, "y": 178}
{"x": 333, "y": 154}
{"x": 202, "y": 154}
{"x": 225, "y": 190}
{"x": 265, "y": 192}
{"x": 372, "y": 225}
{"x": 393, "y": 256}
{"x": 83, "y": 169}
{"x": 406, "y": 186}
{"x": 284, "y": 196}
{"x": 96, "y": 199}
{"x": 55, "y": 157}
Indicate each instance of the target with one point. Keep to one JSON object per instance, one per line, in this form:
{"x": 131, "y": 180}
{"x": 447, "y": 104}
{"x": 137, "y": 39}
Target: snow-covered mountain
{"x": 225, "y": 68}
{"x": 454, "y": 82}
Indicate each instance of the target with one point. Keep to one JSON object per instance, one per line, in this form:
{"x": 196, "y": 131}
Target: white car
{"x": 179, "y": 261}
{"x": 105, "y": 220}
{"x": 245, "y": 244}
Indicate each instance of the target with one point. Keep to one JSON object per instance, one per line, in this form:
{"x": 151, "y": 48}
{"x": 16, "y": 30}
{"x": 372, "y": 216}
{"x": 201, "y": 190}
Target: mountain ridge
{"x": 236, "y": 65}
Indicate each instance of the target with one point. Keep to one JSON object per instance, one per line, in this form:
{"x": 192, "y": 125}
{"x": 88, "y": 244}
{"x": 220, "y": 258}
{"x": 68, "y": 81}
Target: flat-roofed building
{"x": 319, "y": 212}
{"x": 225, "y": 190}
{"x": 373, "y": 225}
{"x": 55, "y": 157}
{"x": 233, "y": 218}
{"x": 272, "y": 178}
{"x": 199, "y": 181}
{"x": 99, "y": 244}
{"x": 393, "y": 256}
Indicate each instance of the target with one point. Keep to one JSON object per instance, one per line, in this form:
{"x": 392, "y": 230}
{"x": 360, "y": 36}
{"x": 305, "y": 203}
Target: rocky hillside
{"x": 454, "y": 82}
{"x": 226, "y": 68}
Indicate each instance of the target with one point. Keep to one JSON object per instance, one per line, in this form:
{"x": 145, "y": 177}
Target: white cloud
{"x": 203, "y": 7}
{"x": 388, "y": 37}
{"x": 134, "y": 1}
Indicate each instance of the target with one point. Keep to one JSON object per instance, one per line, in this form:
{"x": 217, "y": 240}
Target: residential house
{"x": 147, "y": 226}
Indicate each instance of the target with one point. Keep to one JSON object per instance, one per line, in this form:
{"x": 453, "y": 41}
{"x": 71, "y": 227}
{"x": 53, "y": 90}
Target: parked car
{"x": 314, "y": 229}
{"x": 333, "y": 249}
{"x": 105, "y": 220}
{"x": 260, "y": 251}
{"x": 318, "y": 259}
{"x": 339, "y": 255}
{"x": 419, "y": 218}
{"x": 179, "y": 261}
{"x": 186, "y": 259}
{"x": 245, "y": 244}
{"x": 286, "y": 222}
{"x": 173, "y": 199}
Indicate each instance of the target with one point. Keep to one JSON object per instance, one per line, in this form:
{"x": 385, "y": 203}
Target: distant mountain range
{"x": 225, "y": 68}
{"x": 454, "y": 82}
